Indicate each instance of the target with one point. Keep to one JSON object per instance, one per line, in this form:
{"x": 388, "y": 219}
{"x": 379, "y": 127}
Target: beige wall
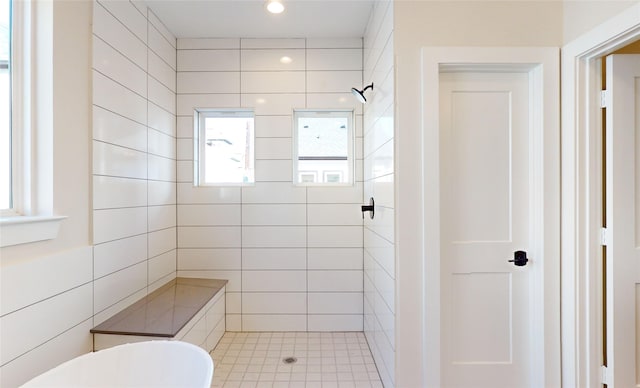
{"x": 72, "y": 120}
{"x": 431, "y": 23}
{"x": 580, "y": 16}
{"x": 478, "y": 23}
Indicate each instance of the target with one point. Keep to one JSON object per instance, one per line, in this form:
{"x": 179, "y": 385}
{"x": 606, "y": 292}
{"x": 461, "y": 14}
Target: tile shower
{"x": 292, "y": 254}
{"x": 297, "y": 258}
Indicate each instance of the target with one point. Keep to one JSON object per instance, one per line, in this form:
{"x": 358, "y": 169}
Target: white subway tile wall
{"x": 378, "y": 151}
{"x": 291, "y": 249}
{"x": 134, "y": 155}
{"x": 67, "y": 344}
{"x": 29, "y": 295}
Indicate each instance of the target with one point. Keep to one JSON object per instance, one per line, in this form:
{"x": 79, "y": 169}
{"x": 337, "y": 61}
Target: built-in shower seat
{"x": 185, "y": 309}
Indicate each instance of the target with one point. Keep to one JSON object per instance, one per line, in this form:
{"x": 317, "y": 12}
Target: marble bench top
{"x": 164, "y": 312}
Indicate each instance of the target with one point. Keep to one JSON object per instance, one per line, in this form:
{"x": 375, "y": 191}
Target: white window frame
{"x": 349, "y": 114}
{"x": 199, "y": 117}
{"x": 15, "y": 48}
{"x": 6, "y": 67}
{"x": 31, "y": 217}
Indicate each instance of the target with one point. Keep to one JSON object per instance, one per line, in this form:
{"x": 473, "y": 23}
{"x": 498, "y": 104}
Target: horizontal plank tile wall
{"x": 134, "y": 202}
{"x": 379, "y": 257}
{"x": 33, "y": 292}
{"x": 293, "y": 255}
{"x": 134, "y": 155}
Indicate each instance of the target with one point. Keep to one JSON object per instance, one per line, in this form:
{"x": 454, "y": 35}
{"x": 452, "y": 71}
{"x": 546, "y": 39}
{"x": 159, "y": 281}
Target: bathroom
{"x": 115, "y": 157}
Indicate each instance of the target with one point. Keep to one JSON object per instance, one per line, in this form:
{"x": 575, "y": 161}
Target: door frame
{"x": 542, "y": 63}
{"x": 582, "y": 196}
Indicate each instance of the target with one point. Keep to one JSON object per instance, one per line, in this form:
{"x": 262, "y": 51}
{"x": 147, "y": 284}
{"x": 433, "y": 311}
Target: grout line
{"x": 173, "y": 67}
{"x": 147, "y": 126}
{"x": 121, "y": 23}
{"x": 116, "y": 113}
{"x": 307, "y": 251}
{"x": 175, "y": 46}
{"x": 116, "y": 50}
{"x": 40, "y": 345}
{"x": 241, "y": 264}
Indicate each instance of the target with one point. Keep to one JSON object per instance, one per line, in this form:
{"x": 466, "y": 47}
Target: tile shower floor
{"x": 324, "y": 360}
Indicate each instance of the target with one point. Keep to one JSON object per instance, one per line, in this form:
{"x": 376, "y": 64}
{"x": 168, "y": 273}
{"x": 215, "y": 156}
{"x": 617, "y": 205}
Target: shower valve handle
{"x": 369, "y": 208}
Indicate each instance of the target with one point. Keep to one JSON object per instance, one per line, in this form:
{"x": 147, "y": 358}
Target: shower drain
{"x": 289, "y": 360}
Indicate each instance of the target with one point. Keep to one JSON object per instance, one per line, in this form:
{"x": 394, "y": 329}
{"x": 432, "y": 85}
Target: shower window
{"x": 223, "y": 147}
{"x": 323, "y": 147}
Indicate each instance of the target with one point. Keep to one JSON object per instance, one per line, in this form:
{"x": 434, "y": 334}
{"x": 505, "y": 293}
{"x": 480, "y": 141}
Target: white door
{"x": 623, "y": 220}
{"x": 486, "y": 214}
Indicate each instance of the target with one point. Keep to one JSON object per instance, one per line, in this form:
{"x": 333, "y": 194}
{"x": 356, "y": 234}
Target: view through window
{"x": 324, "y": 144}
{"x": 225, "y": 147}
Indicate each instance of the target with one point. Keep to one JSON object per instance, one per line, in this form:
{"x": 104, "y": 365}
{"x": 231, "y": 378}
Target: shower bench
{"x": 184, "y": 309}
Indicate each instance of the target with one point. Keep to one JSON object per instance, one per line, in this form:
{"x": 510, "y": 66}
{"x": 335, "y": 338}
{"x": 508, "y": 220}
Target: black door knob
{"x": 519, "y": 258}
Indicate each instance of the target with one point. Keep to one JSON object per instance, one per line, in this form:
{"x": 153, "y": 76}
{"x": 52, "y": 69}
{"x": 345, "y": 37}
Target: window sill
{"x": 324, "y": 184}
{"x": 231, "y": 184}
{"x": 25, "y": 229}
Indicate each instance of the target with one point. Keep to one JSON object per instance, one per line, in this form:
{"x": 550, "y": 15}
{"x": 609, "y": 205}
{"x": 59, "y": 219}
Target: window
{"x": 323, "y": 147}
{"x": 223, "y": 147}
{"x": 26, "y": 123}
{"x": 5, "y": 106}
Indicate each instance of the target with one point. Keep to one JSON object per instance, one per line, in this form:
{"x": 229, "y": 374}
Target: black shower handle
{"x": 369, "y": 208}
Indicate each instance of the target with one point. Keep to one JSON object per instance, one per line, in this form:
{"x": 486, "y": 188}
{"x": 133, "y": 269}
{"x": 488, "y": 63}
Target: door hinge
{"x": 603, "y": 99}
{"x": 604, "y": 375}
{"x": 604, "y": 240}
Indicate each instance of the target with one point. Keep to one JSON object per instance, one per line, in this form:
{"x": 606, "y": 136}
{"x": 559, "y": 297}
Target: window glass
{"x": 5, "y": 104}
{"x": 224, "y": 147}
{"x": 323, "y": 147}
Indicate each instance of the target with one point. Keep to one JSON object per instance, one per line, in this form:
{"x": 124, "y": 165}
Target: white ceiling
{"x": 249, "y": 18}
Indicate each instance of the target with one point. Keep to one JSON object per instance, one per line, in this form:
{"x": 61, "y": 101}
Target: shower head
{"x": 359, "y": 94}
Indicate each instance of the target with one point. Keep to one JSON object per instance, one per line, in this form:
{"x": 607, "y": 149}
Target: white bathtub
{"x": 141, "y": 364}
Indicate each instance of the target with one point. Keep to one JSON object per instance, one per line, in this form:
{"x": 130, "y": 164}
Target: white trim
{"x": 542, "y": 65}
{"x": 22, "y": 230}
{"x": 32, "y": 109}
{"x": 581, "y": 198}
{"x": 21, "y": 49}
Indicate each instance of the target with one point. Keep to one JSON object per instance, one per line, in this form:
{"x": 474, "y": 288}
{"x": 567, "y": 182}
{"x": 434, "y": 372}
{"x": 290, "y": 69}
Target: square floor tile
{"x": 323, "y": 360}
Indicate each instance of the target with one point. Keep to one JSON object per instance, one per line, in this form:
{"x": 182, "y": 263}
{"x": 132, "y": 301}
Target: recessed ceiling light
{"x": 275, "y": 6}
{"x": 286, "y": 60}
